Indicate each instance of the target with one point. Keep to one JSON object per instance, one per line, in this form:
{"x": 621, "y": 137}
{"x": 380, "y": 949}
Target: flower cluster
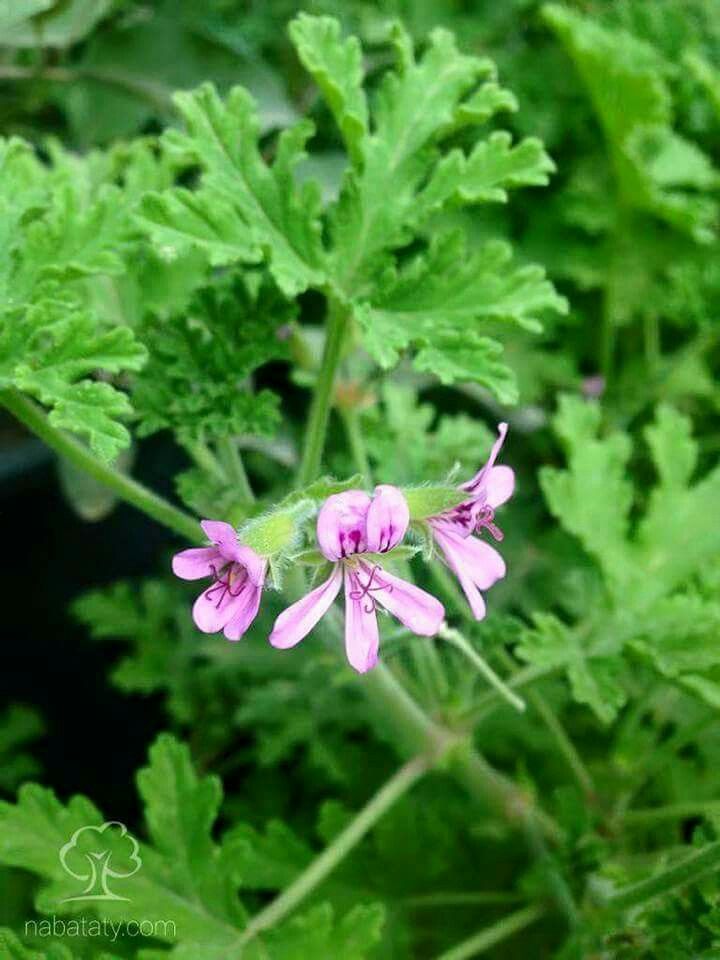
{"x": 354, "y": 532}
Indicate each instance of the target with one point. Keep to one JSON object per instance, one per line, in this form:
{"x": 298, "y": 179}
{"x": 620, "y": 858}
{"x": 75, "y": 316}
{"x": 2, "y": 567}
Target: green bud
{"x": 277, "y": 532}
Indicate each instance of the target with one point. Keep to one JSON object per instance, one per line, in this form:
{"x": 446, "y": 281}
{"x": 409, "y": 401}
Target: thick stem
{"x": 340, "y": 847}
{"x": 489, "y": 936}
{"x": 35, "y": 419}
{"x": 317, "y": 424}
{"x": 680, "y": 874}
{"x": 414, "y": 732}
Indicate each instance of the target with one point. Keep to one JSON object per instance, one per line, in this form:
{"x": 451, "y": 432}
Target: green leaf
{"x": 50, "y": 24}
{"x": 266, "y": 861}
{"x": 249, "y": 206}
{"x": 183, "y": 876}
{"x": 625, "y": 80}
{"x": 52, "y": 363}
{"x": 404, "y": 176}
{"x": 592, "y": 498}
{"x": 197, "y": 382}
{"x": 336, "y": 66}
{"x": 486, "y": 175}
{"x": 594, "y": 680}
{"x": 436, "y": 302}
{"x": 11, "y": 948}
{"x": 19, "y": 727}
{"x": 315, "y": 934}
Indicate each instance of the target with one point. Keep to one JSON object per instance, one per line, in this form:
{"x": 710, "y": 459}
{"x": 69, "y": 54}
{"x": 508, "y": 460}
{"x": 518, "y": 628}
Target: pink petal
{"x": 255, "y": 565}
{"x": 361, "y": 629}
{"x": 298, "y": 620}
{"x": 474, "y": 562}
{"x": 481, "y": 562}
{"x": 223, "y": 535}
{"x": 387, "y": 519}
{"x": 499, "y": 485}
{"x": 341, "y": 524}
{"x": 245, "y": 615}
{"x": 211, "y": 616}
{"x": 196, "y": 562}
{"x": 416, "y": 609}
{"x": 477, "y": 481}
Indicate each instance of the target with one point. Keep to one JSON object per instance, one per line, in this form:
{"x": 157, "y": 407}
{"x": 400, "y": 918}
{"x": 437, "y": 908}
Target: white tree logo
{"x": 94, "y": 855}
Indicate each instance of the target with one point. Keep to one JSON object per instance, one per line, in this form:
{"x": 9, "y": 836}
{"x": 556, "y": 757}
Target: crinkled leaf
{"x": 436, "y": 302}
{"x": 245, "y": 204}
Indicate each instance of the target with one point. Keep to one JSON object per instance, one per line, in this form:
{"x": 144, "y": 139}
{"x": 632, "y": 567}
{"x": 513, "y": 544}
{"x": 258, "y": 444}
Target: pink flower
{"x": 231, "y": 602}
{"x": 475, "y": 563}
{"x": 349, "y": 526}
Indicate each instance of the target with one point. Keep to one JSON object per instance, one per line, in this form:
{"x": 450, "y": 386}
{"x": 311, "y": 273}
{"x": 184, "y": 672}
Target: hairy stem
{"x": 340, "y": 847}
{"x": 316, "y": 430}
{"x": 36, "y": 420}
{"x": 680, "y": 874}
{"x": 489, "y": 936}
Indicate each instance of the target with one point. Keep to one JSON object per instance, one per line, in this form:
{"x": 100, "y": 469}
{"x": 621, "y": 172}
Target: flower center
{"x": 372, "y": 584}
{"x": 229, "y": 579}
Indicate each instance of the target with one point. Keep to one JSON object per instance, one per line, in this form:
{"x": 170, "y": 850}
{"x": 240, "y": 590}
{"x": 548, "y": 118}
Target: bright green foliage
{"x": 404, "y": 168}
{"x": 652, "y": 603}
{"x": 51, "y": 345}
{"x": 185, "y": 875}
{"x": 435, "y": 301}
{"x": 179, "y": 289}
{"x": 196, "y": 383}
{"x": 256, "y": 212}
{"x": 11, "y": 948}
{"x": 656, "y": 169}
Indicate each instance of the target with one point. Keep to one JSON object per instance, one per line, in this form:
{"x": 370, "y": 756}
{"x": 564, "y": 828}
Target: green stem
{"x": 36, "y": 420}
{"x": 340, "y": 847}
{"x": 489, "y": 936}
{"x": 415, "y": 732}
{"x": 481, "y": 898}
{"x": 234, "y": 467}
{"x": 673, "y": 811}
{"x": 680, "y": 874}
{"x": 317, "y": 425}
{"x": 156, "y": 94}
{"x": 564, "y": 743}
{"x": 461, "y": 643}
{"x": 353, "y": 430}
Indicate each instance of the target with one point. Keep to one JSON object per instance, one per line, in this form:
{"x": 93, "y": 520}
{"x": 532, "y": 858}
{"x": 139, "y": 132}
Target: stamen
{"x": 367, "y": 589}
{"x": 235, "y": 573}
{"x": 485, "y": 520}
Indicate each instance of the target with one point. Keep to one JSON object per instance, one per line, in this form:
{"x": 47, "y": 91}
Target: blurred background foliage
{"x": 611, "y": 542}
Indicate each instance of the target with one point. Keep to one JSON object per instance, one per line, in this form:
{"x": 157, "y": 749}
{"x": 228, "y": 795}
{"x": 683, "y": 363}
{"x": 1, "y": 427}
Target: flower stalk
{"x": 127, "y": 489}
